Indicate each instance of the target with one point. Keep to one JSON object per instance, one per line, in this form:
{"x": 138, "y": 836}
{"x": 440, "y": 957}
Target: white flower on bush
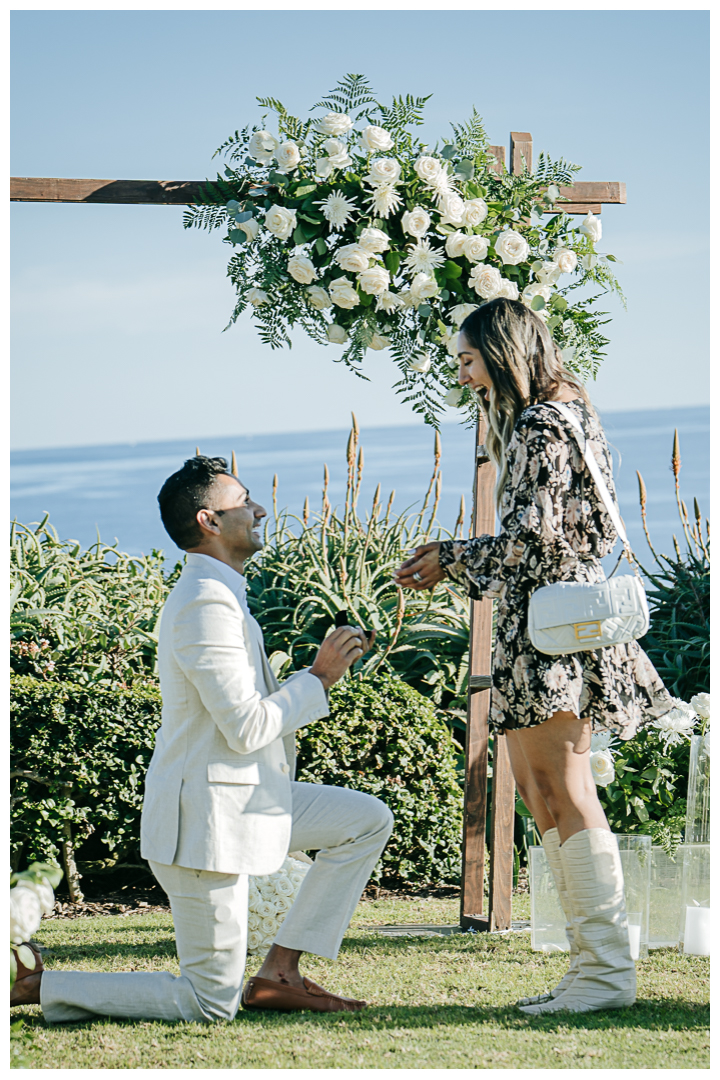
{"x": 423, "y": 259}
{"x": 565, "y": 259}
{"x": 25, "y": 914}
{"x": 602, "y": 740}
{"x": 251, "y": 227}
{"x": 509, "y": 290}
{"x": 337, "y": 210}
{"x": 342, "y": 293}
{"x": 536, "y": 289}
{"x": 428, "y": 168}
{"x": 281, "y": 221}
{"x": 385, "y": 201}
{"x": 374, "y": 281}
{"x": 336, "y": 334}
{"x": 353, "y": 258}
{"x": 511, "y": 247}
{"x": 301, "y": 268}
{"x": 460, "y": 312}
{"x": 337, "y": 158}
{"x": 675, "y": 725}
{"x": 318, "y": 297}
{"x": 256, "y": 297}
{"x": 334, "y": 123}
{"x": 453, "y": 397}
{"x": 384, "y": 171}
{"x": 474, "y": 213}
{"x": 415, "y": 222}
{"x": 592, "y": 227}
{"x": 602, "y": 768}
{"x": 269, "y": 903}
{"x": 455, "y": 243}
{"x": 486, "y": 280}
{"x": 288, "y": 156}
{"x": 701, "y": 704}
{"x": 376, "y": 138}
{"x": 475, "y": 248}
{"x": 452, "y": 208}
{"x": 262, "y": 147}
{"x": 423, "y": 287}
{"x": 421, "y": 363}
{"x": 374, "y": 241}
{"x": 379, "y": 342}
{"x": 388, "y": 301}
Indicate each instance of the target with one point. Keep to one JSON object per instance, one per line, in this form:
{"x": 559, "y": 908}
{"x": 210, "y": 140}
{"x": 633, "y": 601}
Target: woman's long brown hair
{"x": 525, "y": 366}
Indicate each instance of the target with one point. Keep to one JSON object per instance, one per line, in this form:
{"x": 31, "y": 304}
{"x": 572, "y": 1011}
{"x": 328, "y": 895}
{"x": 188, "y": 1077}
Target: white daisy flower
{"x": 676, "y": 725}
{"x": 385, "y": 201}
{"x": 337, "y": 209}
{"x": 388, "y": 301}
{"x": 423, "y": 259}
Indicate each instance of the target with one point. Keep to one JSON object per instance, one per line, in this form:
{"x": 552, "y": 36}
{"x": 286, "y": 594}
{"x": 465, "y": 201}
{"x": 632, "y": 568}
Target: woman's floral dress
{"x": 554, "y": 528}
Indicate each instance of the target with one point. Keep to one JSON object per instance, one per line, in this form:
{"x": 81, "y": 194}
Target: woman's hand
{"x": 423, "y": 570}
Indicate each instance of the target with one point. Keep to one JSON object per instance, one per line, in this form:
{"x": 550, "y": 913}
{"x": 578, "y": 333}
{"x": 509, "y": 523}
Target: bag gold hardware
{"x": 586, "y": 631}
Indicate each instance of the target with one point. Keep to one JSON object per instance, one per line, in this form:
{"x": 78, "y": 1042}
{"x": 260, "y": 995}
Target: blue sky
{"x": 118, "y": 312}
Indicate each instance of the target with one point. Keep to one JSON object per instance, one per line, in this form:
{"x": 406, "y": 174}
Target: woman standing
{"x": 554, "y": 527}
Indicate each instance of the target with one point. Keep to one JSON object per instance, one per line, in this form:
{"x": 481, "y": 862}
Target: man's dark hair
{"x": 186, "y": 492}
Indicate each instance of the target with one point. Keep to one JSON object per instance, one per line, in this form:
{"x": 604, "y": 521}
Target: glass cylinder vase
{"x": 636, "y": 859}
{"x": 666, "y": 897}
{"x": 695, "y": 913}
{"x": 697, "y": 820}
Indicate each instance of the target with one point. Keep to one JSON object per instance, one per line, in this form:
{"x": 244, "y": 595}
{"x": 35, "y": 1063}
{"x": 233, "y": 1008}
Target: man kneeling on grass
{"x": 220, "y": 802}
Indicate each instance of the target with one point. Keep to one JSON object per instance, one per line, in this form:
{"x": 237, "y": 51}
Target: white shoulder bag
{"x": 570, "y": 616}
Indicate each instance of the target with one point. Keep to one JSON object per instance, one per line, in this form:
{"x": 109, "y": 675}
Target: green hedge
{"x": 79, "y": 757}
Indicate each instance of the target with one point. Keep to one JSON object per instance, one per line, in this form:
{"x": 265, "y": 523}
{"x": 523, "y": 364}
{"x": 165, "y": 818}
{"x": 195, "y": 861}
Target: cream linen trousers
{"x": 349, "y": 831}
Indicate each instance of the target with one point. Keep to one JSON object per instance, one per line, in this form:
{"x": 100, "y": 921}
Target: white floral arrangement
{"x": 31, "y": 897}
{"x": 269, "y": 900}
{"x": 368, "y": 238}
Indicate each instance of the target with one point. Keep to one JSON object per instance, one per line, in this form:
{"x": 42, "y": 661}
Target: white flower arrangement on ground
{"x": 269, "y": 900}
{"x": 351, "y": 228}
{"x": 31, "y": 897}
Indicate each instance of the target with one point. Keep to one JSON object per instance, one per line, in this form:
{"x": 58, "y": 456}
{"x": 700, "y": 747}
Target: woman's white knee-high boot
{"x": 605, "y": 978}
{"x": 551, "y": 843}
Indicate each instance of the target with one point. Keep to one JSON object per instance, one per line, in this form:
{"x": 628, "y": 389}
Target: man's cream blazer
{"x": 217, "y": 793}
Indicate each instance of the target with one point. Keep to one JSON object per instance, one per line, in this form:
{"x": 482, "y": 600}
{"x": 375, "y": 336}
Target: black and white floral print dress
{"x": 554, "y": 527}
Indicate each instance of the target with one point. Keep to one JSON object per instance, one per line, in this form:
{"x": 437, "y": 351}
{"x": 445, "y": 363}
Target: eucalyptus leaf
{"x": 465, "y": 169}
{"x": 299, "y": 236}
{"x": 559, "y": 302}
{"x": 449, "y": 151}
{"x": 237, "y": 236}
{"x": 320, "y": 246}
{"x": 305, "y": 189}
{"x": 424, "y": 310}
{"x": 537, "y": 303}
{"x": 245, "y": 215}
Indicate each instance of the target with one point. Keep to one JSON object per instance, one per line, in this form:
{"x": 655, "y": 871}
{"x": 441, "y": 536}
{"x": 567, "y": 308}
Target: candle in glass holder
{"x": 634, "y": 933}
{"x": 697, "y": 931}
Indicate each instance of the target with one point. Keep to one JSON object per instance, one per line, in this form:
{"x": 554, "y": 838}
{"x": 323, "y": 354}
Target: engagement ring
{"x": 417, "y": 576}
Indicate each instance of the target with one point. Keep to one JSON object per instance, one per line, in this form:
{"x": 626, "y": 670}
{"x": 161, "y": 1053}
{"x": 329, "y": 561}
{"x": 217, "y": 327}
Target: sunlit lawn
{"x": 435, "y": 1003}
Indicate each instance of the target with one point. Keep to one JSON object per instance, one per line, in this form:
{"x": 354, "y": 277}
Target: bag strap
{"x": 594, "y": 469}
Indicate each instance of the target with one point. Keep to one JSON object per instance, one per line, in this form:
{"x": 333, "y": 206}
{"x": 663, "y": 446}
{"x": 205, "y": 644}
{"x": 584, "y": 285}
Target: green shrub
{"x": 386, "y": 739}
{"x": 80, "y": 754}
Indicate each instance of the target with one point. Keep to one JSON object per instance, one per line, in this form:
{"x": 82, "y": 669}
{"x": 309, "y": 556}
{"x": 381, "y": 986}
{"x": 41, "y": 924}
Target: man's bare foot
{"x": 26, "y": 991}
{"x": 281, "y": 966}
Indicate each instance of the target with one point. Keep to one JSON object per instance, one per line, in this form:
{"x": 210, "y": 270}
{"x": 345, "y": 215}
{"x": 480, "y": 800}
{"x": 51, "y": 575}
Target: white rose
{"x": 509, "y": 290}
{"x": 376, "y": 138}
{"x": 256, "y": 297}
{"x": 384, "y": 171}
{"x": 549, "y": 273}
{"x": 423, "y": 287}
{"x": 452, "y": 397}
{"x": 251, "y": 227}
{"x": 266, "y": 908}
{"x": 43, "y": 891}
{"x": 283, "y": 904}
{"x": 284, "y": 886}
{"x": 415, "y": 222}
{"x": 592, "y": 227}
{"x": 536, "y": 289}
{"x": 253, "y": 920}
{"x": 455, "y": 243}
{"x": 255, "y": 940}
{"x": 475, "y": 248}
{"x": 452, "y": 344}
{"x": 427, "y": 168}
{"x": 318, "y": 297}
{"x": 565, "y": 259}
{"x": 511, "y": 247}
{"x": 262, "y": 147}
{"x": 25, "y": 914}
{"x": 452, "y": 209}
{"x": 301, "y": 268}
{"x": 280, "y": 221}
{"x": 379, "y": 342}
{"x": 460, "y": 312}
{"x": 423, "y": 362}
{"x": 486, "y": 281}
{"x": 336, "y": 334}
{"x": 701, "y": 704}
{"x": 269, "y": 926}
{"x": 374, "y": 281}
{"x": 288, "y": 156}
{"x": 388, "y": 301}
{"x": 352, "y": 258}
{"x": 335, "y": 123}
{"x": 602, "y": 768}
{"x": 474, "y": 214}
{"x": 374, "y": 241}
{"x": 338, "y": 158}
{"x": 342, "y": 293}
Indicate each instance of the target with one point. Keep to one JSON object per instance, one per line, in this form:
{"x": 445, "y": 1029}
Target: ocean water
{"x": 113, "y": 489}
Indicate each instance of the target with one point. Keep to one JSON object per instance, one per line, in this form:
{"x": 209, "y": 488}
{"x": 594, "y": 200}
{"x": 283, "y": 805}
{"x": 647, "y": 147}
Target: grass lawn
{"x": 435, "y": 1003}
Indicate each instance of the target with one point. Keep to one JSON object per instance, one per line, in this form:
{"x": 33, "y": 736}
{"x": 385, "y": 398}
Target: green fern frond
{"x": 351, "y": 92}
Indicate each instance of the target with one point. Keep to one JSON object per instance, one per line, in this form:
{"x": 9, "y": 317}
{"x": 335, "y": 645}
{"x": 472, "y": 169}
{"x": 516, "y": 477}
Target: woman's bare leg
{"x": 525, "y": 782}
{"x": 557, "y": 755}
